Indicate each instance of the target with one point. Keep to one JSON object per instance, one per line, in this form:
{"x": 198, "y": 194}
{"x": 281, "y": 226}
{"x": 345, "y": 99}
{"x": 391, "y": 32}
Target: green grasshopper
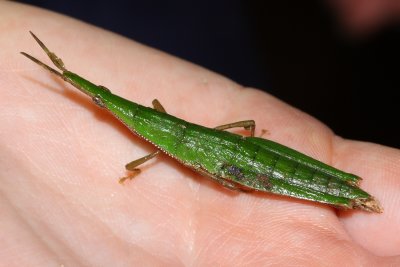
{"x": 236, "y": 162}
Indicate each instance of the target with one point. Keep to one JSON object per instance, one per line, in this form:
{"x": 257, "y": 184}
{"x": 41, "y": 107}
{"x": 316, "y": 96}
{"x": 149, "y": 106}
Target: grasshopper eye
{"x": 98, "y": 101}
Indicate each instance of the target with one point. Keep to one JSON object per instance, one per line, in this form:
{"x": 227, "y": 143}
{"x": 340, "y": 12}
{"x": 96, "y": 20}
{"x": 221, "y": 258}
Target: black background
{"x": 291, "y": 49}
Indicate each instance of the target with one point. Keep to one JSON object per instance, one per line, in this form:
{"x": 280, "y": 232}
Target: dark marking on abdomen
{"x": 234, "y": 171}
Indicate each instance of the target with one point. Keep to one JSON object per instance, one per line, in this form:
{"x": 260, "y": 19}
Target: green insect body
{"x": 237, "y": 162}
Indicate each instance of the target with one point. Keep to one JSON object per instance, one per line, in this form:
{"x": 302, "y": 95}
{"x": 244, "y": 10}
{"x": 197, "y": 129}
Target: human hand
{"x": 61, "y": 203}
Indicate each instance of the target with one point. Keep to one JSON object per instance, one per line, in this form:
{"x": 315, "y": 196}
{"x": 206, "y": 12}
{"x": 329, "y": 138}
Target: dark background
{"x": 291, "y": 49}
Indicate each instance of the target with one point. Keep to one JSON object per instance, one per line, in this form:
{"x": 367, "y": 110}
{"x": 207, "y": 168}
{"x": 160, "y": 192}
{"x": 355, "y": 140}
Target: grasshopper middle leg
{"x": 248, "y": 125}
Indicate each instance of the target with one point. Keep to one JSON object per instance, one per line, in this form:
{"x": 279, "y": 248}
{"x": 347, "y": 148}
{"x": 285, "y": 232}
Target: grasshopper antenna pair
{"x": 56, "y": 60}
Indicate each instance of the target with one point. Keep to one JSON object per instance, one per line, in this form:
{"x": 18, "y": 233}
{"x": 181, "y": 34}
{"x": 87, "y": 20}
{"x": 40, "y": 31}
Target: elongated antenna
{"x": 53, "y": 57}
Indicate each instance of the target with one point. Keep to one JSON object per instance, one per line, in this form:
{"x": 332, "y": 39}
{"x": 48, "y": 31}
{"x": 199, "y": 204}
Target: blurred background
{"x": 337, "y": 60}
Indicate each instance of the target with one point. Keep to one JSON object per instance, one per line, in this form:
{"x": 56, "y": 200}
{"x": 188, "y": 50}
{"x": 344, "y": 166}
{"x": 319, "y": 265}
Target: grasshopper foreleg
{"x": 132, "y": 166}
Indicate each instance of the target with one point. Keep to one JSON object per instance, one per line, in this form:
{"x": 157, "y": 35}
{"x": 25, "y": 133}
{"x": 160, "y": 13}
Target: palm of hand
{"x": 62, "y": 155}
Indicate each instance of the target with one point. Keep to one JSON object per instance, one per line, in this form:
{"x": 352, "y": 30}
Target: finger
{"x": 380, "y": 168}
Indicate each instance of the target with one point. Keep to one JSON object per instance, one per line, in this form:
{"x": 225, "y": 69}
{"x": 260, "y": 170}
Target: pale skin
{"x": 61, "y": 203}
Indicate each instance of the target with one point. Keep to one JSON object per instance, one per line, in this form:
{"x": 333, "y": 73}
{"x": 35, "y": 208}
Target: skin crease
{"x": 60, "y": 201}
